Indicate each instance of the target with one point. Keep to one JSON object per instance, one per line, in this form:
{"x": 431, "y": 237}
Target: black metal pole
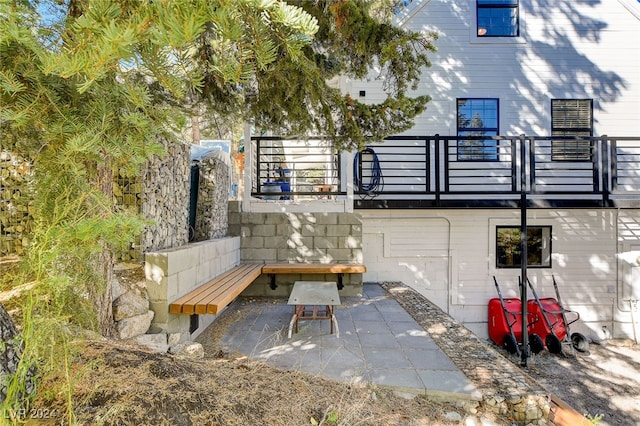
{"x": 523, "y": 250}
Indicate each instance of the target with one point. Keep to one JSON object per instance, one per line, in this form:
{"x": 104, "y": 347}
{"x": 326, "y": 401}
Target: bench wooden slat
{"x": 240, "y": 277}
{"x": 186, "y": 304}
{"x": 225, "y": 293}
{"x": 313, "y": 268}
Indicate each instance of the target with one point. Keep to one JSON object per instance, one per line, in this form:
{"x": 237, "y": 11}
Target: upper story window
{"x": 477, "y": 117}
{"x": 498, "y": 18}
{"x": 571, "y": 117}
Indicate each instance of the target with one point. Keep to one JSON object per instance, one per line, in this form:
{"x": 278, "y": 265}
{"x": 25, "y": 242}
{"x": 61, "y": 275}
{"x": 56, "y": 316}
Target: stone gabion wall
{"x": 16, "y": 203}
{"x": 213, "y": 197}
{"x": 160, "y": 193}
{"x": 165, "y": 185}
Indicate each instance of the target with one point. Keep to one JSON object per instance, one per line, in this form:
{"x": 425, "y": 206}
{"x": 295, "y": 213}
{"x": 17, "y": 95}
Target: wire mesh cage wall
{"x": 128, "y": 191}
{"x": 16, "y": 203}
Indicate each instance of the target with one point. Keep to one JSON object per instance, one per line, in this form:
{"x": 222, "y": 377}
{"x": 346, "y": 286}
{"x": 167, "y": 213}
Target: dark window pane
{"x": 571, "y": 117}
{"x": 477, "y": 118}
{"x": 498, "y": 18}
{"x": 509, "y": 247}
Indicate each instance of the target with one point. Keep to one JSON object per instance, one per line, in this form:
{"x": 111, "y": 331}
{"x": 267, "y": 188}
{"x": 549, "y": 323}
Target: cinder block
{"x": 187, "y": 281}
{"x": 341, "y": 255}
{"x": 259, "y": 255}
{"x": 183, "y": 259}
{"x": 312, "y": 230}
{"x": 204, "y": 271}
{"x": 338, "y": 230}
{"x": 161, "y": 310}
{"x": 253, "y": 242}
{"x": 254, "y": 218}
{"x": 350, "y": 242}
{"x": 264, "y": 231}
{"x": 348, "y": 219}
{"x": 276, "y": 219}
{"x": 325, "y": 242}
{"x": 172, "y": 288}
{"x": 156, "y": 263}
{"x": 157, "y": 290}
{"x": 178, "y": 324}
{"x": 326, "y": 218}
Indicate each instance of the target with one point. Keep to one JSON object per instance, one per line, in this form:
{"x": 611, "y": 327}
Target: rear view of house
{"x": 534, "y": 104}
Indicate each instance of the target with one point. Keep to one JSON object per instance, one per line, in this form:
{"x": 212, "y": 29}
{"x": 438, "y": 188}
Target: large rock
{"x": 156, "y": 342}
{"x": 134, "y": 326}
{"x": 131, "y": 303}
{"x": 188, "y": 350}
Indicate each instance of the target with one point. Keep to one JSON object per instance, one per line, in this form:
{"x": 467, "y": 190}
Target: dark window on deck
{"x": 571, "y": 117}
{"x": 509, "y": 250}
{"x": 477, "y": 117}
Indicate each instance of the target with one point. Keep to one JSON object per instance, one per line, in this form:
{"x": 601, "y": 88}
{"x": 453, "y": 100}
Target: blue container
{"x": 271, "y": 187}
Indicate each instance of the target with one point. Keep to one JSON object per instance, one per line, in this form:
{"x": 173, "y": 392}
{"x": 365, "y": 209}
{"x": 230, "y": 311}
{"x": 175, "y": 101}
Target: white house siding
{"x": 568, "y": 49}
{"x": 449, "y": 256}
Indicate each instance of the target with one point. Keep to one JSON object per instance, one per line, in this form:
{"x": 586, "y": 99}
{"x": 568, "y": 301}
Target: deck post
{"x": 523, "y": 251}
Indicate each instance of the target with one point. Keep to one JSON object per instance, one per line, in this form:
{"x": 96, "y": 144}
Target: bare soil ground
{"x": 603, "y": 384}
{"x": 118, "y": 384}
{"x": 115, "y": 383}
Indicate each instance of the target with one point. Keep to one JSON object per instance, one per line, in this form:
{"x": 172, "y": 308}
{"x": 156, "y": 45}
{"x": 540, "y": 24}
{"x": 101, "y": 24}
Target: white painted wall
{"x": 449, "y": 256}
{"x": 568, "y": 49}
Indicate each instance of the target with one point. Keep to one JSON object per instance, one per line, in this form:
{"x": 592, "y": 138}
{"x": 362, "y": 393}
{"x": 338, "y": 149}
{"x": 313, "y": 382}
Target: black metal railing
{"x": 477, "y": 171}
{"x": 300, "y": 169}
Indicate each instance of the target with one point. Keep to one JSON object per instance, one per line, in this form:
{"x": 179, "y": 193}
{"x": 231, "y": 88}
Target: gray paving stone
{"x": 430, "y": 360}
{"x": 342, "y": 358}
{"x": 446, "y": 381}
{"x": 402, "y": 378}
{"x": 371, "y": 327}
{"x": 347, "y": 375}
{"x": 386, "y": 358}
{"x": 380, "y": 340}
{"x": 379, "y": 343}
{"x": 366, "y": 315}
{"x": 416, "y": 342}
{"x": 407, "y": 327}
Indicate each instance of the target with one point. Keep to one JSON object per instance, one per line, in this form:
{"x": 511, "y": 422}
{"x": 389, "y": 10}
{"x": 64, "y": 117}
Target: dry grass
{"x": 119, "y": 384}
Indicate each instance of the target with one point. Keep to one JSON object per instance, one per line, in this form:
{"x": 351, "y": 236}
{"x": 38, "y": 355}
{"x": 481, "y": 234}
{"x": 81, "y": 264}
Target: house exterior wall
{"x": 567, "y": 49}
{"x": 449, "y": 256}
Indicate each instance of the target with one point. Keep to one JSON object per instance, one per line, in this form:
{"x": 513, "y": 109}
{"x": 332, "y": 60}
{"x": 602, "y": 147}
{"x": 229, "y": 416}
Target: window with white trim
{"x": 571, "y": 117}
{"x": 498, "y": 18}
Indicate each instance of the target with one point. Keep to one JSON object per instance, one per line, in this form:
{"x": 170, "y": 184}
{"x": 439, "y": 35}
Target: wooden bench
{"x": 272, "y": 269}
{"x": 212, "y": 297}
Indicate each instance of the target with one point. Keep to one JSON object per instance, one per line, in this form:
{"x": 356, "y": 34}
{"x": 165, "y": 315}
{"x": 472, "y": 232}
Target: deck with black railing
{"x": 448, "y": 172}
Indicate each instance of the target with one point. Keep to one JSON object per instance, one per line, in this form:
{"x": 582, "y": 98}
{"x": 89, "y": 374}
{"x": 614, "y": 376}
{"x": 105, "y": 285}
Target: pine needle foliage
{"x": 87, "y": 88}
{"x": 354, "y": 37}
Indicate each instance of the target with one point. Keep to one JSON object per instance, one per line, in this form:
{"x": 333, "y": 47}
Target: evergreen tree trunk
{"x": 103, "y": 300}
{"x": 10, "y": 353}
{"x": 103, "y": 262}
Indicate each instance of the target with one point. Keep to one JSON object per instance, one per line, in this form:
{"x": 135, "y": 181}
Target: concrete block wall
{"x": 172, "y": 273}
{"x": 298, "y": 238}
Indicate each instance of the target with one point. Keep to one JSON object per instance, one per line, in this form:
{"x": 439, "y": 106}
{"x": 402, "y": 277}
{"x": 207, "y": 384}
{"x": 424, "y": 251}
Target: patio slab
{"x": 378, "y": 343}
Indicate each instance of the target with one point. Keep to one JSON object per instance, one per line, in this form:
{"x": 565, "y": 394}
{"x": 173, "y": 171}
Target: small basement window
{"x": 508, "y": 247}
